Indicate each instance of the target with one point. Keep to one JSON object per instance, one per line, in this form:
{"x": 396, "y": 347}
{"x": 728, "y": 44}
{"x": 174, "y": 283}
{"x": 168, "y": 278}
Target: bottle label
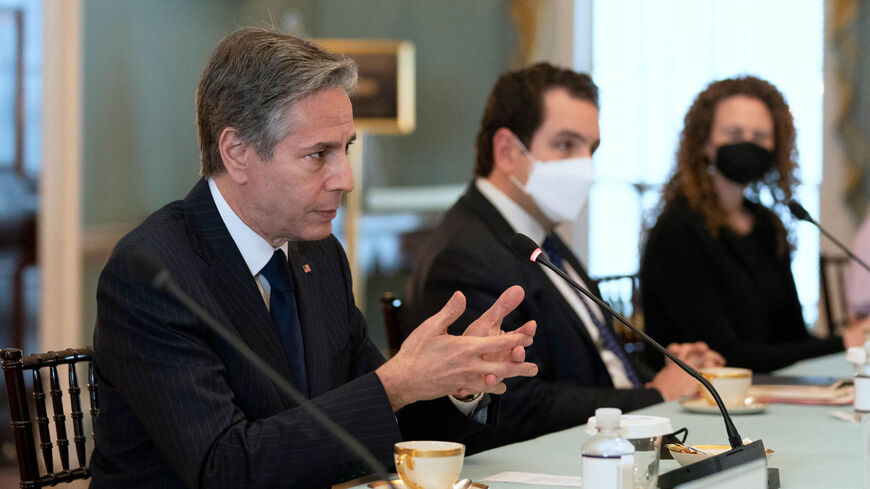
{"x": 608, "y": 472}
{"x": 862, "y": 393}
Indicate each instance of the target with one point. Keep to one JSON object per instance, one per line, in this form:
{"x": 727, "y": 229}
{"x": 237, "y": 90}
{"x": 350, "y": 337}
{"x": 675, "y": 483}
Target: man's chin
{"x": 316, "y": 233}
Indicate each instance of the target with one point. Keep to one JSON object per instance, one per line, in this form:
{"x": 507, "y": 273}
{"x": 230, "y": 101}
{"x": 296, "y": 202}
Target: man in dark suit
{"x": 534, "y": 171}
{"x": 179, "y": 406}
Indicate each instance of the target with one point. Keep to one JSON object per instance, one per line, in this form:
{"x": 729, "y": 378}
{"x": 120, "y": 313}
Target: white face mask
{"x": 560, "y": 188}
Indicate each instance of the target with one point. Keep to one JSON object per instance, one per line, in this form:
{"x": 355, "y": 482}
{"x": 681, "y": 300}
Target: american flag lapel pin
{"x": 306, "y": 268}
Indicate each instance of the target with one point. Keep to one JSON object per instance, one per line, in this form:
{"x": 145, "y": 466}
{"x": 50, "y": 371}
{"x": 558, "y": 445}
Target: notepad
{"x": 835, "y": 393}
{"x": 536, "y": 479}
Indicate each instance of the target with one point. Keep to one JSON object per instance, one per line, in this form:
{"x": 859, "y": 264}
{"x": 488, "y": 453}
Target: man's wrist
{"x": 469, "y": 398}
{"x": 392, "y": 386}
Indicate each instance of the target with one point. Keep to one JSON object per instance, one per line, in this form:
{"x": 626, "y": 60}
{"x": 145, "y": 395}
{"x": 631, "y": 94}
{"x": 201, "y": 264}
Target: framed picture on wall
{"x": 384, "y": 101}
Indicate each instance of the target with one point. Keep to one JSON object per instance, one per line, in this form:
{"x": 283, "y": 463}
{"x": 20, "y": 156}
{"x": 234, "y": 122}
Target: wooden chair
{"x": 14, "y": 365}
{"x": 622, "y": 292}
{"x": 832, "y": 270}
{"x": 394, "y": 321}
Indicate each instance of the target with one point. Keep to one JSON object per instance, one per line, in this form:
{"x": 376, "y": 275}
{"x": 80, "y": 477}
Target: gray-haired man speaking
{"x": 252, "y": 244}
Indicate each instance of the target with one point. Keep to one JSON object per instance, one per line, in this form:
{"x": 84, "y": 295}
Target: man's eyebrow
{"x": 571, "y": 134}
{"x": 576, "y": 135}
{"x": 593, "y": 143}
{"x": 322, "y": 145}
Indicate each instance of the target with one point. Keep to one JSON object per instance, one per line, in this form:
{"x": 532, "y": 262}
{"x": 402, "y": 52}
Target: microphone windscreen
{"x": 798, "y": 211}
{"x": 146, "y": 267}
{"x": 523, "y": 246}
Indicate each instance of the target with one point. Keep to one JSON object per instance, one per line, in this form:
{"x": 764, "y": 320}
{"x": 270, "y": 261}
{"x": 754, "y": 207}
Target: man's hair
{"x": 252, "y": 79}
{"x": 516, "y": 103}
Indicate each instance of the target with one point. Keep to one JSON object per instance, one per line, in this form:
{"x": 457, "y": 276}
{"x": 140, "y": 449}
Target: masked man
{"x": 533, "y": 171}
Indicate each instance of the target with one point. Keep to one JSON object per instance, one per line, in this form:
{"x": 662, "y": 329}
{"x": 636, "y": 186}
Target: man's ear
{"x": 236, "y": 154}
{"x": 504, "y": 150}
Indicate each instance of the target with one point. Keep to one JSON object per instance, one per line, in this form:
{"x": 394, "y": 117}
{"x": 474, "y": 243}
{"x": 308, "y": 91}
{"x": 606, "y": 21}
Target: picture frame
{"x": 384, "y": 101}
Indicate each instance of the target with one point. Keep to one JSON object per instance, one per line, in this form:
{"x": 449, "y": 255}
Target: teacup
{"x": 685, "y": 457}
{"x": 731, "y": 383}
{"x": 428, "y": 464}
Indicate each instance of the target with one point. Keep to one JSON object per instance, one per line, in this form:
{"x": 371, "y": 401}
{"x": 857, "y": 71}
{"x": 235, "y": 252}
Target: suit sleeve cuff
{"x": 467, "y": 407}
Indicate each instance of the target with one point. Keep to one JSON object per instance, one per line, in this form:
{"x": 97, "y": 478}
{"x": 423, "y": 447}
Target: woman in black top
{"x": 716, "y": 266}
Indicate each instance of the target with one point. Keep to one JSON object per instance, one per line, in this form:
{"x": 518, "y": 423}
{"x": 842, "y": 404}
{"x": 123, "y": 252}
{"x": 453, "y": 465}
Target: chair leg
{"x": 22, "y": 427}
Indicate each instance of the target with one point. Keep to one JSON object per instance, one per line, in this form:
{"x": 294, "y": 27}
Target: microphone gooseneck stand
{"x": 739, "y": 454}
{"x": 799, "y": 212}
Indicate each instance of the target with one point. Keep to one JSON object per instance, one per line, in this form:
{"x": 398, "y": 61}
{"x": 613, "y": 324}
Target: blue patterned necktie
{"x": 282, "y": 308}
{"x": 551, "y": 247}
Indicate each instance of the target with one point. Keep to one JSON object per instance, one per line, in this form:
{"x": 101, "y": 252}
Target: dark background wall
{"x": 143, "y": 59}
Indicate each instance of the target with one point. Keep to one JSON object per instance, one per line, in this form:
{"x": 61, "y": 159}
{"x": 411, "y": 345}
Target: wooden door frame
{"x": 59, "y": 249}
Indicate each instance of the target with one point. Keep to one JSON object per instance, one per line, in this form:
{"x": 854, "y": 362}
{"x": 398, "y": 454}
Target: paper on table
{"x": 847, "y": 416}
{"x": 835, "y": 394}
{"x": 537, "y": 479}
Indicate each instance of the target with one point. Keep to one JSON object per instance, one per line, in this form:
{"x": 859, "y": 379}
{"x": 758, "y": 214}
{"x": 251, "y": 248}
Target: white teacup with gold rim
{"x": 428, "y": 464}
{"x": 731, "y": 383}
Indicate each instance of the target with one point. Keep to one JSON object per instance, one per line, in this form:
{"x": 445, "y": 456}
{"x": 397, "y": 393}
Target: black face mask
{"x": 743, "y": 162}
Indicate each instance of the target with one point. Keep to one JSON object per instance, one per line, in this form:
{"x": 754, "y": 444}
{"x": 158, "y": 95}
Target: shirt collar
{"x": 517, "y": 217}
{"x": 255, "y": 250}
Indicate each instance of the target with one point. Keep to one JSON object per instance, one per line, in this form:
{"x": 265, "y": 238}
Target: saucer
{"x": 401, "y": 485}
{"x": 685, "y": 458}
{"x": 701, "y": 406}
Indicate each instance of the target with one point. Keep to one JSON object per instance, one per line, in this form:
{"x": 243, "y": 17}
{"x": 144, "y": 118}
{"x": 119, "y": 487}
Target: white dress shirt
{"x": 255, "y": 250}
{"x": 523, "y": 222}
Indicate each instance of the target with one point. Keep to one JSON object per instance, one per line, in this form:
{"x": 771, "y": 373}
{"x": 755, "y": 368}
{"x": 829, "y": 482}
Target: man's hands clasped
{"x": 432, "y": 363}
{"x": 672, "y": 382}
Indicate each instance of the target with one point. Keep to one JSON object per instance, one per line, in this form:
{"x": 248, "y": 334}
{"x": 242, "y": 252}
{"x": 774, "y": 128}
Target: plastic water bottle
{"x": 608, "y": 458}
{"x": 859, "y": 357}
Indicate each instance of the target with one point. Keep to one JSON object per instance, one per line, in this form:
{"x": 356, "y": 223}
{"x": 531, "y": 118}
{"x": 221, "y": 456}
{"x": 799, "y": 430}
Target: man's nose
{"x": 342, "y": 179}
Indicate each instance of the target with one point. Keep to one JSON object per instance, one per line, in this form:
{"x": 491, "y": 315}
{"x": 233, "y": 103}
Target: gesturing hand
{"x": 432, "y": 363}
{"x": 489, "y": 324}
{"x": 856, "y": 333}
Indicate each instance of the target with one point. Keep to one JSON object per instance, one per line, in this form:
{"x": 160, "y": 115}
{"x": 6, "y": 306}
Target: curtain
{"x": 850, "y": 38}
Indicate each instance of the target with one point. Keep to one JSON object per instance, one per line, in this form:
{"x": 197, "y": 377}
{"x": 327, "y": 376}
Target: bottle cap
{"x": 856, "y": 355}
{"x": 608, "y": 418}
{"x": 635, "y": 426}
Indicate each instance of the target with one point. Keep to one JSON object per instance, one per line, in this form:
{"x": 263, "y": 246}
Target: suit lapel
{"x": 478, "y": 204}
{"x": 307, "y": 303}
{"x": 503, "y": 231}
{"x": 232, "y": 284}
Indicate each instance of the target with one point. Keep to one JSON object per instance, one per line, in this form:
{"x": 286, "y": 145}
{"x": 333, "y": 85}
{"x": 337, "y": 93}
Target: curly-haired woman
{"x": 717, "y": 265}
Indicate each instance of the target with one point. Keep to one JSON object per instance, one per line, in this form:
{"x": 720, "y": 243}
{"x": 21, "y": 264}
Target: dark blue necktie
{"x": 282, "y": 307}
{"x": 551, "y": 246}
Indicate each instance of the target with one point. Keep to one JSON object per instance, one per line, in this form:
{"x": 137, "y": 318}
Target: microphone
{"x": 527, "y": 249}
{"x": 800, "y": 213}
{"x": 155, "y": 274}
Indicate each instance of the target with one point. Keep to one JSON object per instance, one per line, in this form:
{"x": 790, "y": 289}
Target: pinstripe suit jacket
{"x": 181, "y": 408}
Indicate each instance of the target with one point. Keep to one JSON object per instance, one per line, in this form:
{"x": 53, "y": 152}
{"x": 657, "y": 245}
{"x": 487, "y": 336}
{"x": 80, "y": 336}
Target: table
{"x": 812, "y": 449}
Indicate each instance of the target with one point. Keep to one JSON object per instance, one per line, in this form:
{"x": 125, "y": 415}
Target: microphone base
{"x": 715, "y": 464}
